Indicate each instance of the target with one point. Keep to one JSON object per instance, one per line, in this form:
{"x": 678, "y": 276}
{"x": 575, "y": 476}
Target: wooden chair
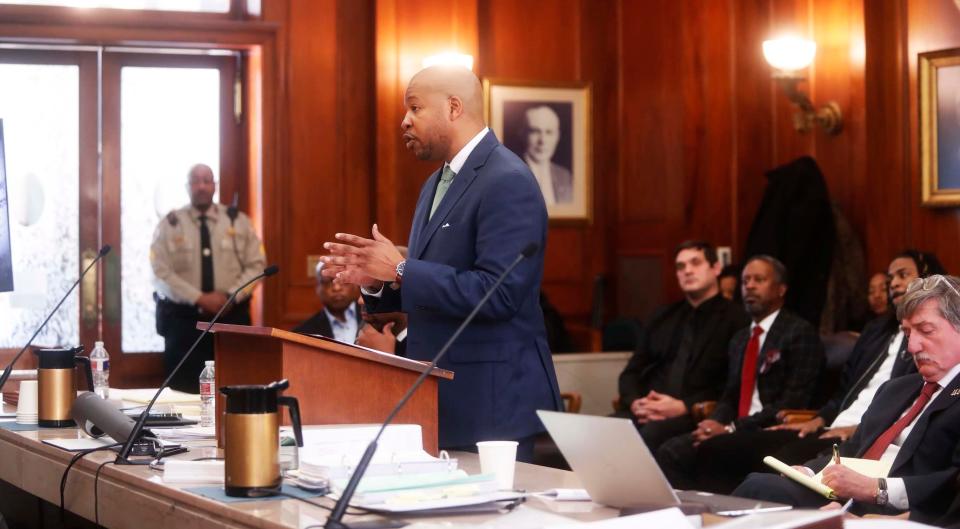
{"x": 572, "y": 401}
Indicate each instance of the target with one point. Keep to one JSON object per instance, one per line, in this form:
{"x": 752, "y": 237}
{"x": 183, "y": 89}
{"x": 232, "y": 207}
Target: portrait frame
{"x": 567, "y": 161}
{"x": 940, "y": 128}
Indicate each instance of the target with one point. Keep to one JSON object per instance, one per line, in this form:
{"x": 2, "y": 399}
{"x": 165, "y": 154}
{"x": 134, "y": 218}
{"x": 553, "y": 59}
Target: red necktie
{"x": 749, "y": 372}
{"x": 880, "y": 445}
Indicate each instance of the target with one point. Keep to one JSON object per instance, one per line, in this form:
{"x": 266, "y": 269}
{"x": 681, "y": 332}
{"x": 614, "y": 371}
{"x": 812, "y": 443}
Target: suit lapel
{"x": 944, "y": 399}
{"x": 421, "y": 212}
{"x": 891, "y": 408}
{"x": 772, "y": 341}
{"x": 460, "y": 184}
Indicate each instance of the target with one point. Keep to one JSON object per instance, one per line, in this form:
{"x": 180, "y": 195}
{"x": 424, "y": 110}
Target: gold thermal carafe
{"x": 57, "y": 385}
{"x": 251, "y": 427}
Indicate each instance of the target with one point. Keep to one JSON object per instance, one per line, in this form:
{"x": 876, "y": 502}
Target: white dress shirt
{"x": 765, "y": 324}
{"x": 346, "y": 330}
{"x": 852, "y": 414}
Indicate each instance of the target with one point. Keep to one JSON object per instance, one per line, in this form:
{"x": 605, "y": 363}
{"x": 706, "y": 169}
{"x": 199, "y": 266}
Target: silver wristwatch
{"x": 883, "y": 497}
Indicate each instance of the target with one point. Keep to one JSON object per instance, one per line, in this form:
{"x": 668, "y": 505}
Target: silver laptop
{"x": 617, "y": 468}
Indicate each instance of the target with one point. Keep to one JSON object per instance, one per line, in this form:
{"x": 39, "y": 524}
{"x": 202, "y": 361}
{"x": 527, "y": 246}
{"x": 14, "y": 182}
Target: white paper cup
{"x": 498, "y": 458}
{"x": 27, "y": 401}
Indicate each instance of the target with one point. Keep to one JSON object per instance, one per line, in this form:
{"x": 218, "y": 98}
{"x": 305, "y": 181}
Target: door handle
{"x": 88, "y": 289}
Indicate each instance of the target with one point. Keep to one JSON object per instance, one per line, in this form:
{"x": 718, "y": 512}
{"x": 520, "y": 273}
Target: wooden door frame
{"x": 266, "y": 115}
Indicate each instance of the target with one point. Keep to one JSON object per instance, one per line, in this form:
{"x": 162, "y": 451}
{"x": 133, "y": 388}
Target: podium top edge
{"x": 329, "y": 345}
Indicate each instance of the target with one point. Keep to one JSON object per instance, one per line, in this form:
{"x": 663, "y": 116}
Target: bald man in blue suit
{"x": 473, "y": 218}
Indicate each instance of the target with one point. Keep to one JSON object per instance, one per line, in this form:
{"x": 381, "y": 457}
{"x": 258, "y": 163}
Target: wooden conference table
{"x": 136, "y": 497}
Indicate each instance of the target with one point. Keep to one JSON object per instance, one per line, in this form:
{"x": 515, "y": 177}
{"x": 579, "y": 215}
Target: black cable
{"x": 96, "y": 495}
{"x": 73, "y": 461}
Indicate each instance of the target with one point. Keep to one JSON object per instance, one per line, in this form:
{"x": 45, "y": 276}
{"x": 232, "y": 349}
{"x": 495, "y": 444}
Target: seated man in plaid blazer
{"x": 775, "y": 363}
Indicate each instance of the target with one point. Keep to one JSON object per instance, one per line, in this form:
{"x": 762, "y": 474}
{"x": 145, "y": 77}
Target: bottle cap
{"x": 208, "y": 363}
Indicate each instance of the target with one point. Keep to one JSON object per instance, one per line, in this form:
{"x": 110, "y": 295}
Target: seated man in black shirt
{"x": 681, "y": 358}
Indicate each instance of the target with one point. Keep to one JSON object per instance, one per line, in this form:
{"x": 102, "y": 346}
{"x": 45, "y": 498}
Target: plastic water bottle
{"x": 208, "y": 400}
{"x": 100, "y": 365}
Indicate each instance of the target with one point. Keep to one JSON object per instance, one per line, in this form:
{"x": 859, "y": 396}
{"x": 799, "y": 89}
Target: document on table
{"x": 867, "y": 467}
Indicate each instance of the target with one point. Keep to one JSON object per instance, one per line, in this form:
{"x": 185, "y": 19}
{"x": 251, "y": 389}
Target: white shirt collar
{"x": 461, "y": 157}
{"x": 349, "y": 315}
{"x": 767, "y": 322}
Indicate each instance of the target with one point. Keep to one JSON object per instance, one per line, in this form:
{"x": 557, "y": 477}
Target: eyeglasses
{"x": 928, "y": 283}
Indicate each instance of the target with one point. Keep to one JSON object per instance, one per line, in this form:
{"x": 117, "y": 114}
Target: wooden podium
{"x": 335, "y": 383}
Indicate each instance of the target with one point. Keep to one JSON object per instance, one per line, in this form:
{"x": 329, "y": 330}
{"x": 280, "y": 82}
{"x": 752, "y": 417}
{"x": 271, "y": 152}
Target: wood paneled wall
{"x": 686, "y": 121}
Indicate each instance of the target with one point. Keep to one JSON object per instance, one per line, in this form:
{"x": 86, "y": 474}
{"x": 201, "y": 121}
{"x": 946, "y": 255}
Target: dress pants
{"x": 721, "y": 463}
{"x": 724, "y": 461}
{"x": 774, "y": 487}
{"x": 655, "y": 433}
{"x": 180, "y": 332}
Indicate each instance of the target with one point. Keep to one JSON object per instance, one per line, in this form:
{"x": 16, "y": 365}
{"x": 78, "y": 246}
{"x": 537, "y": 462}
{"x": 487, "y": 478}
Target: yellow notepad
{"x": 868, "y": 467}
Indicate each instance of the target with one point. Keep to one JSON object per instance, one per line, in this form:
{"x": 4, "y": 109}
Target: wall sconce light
{"x": 449, "y": 59}
{"x": 789, "y": 55}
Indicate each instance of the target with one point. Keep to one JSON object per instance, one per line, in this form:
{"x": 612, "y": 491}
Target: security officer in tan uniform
{"x": 200, "y": 254}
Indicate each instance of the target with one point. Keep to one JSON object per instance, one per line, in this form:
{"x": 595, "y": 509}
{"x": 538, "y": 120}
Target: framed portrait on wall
{"x": 548, "y": 127}
{"x": 940, "y": 127}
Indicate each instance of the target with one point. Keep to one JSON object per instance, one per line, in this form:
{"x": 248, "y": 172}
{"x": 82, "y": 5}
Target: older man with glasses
{"x": 914, "y": 422}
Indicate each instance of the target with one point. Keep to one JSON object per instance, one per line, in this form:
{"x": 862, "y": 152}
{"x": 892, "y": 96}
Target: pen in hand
{"x": 836, "y": 453}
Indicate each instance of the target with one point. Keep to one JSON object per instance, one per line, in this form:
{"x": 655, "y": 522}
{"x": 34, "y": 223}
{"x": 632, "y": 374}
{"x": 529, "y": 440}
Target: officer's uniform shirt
{"x": 238, "y": 255}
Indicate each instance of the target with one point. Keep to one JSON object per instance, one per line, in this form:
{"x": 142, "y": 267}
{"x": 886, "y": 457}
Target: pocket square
{"x": 447, "y": 225}
{"x": 771, "y": 357}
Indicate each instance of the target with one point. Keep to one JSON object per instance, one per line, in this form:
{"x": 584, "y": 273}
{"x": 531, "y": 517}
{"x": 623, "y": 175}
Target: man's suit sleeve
{"x": 631, "y": 380}
{"x": 510, "y": 216}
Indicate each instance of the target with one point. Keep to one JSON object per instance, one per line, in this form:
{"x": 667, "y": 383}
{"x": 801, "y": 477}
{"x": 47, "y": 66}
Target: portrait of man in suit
{"x": 948, "y": 125}
{"x": 542, "y": 139}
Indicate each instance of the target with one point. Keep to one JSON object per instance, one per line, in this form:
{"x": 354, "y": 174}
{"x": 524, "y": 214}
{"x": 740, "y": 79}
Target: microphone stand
{"x": 334, "y": 521}
{"x": 9, "y": 369}
{"x": 122, "y": 457}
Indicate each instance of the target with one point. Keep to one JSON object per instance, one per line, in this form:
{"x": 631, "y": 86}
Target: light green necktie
{"x": 446, "y": 178}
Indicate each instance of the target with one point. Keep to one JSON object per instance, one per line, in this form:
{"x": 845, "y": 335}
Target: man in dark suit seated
{"x": 914, "y": 422}
{"x": 878, "y": 356}
{"x": 774, "y": 364}
{"x": 682, "y": 355}
{"x": 340, "y": 317}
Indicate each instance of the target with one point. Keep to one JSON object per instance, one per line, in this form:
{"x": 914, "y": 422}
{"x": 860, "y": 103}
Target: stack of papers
{"x": 191, "y": 433}
{"x": 185, "y": 471}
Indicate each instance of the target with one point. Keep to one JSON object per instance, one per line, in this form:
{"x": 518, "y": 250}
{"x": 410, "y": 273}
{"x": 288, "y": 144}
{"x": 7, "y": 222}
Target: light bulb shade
{"x": 449, "y": 59}
{"x": 789, "y": 53}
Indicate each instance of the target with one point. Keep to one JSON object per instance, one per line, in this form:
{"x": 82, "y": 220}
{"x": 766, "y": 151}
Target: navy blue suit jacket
{"x": 929, "y": 459}
{"x": 503, "y": 371}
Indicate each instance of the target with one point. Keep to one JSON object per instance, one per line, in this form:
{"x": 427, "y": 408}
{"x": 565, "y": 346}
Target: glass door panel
{"x": 169, "y": 121}
{"x": 39, "y": 105}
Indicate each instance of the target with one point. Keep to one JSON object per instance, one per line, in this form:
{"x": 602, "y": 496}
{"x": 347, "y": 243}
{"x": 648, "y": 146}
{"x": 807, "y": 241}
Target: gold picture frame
{"x": 940, "y": 128}
{"x": 548, "y": 125}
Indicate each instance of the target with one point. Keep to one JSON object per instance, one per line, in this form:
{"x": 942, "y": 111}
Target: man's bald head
{"x": 444, "y": 111}
{"x": 452, "y": 81}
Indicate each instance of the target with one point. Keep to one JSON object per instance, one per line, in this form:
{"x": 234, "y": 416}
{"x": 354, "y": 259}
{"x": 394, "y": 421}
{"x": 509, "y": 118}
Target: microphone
{"x": 137, "y": 430}
{"x": 6, "y": 372}
{"x": 336, "y": 515}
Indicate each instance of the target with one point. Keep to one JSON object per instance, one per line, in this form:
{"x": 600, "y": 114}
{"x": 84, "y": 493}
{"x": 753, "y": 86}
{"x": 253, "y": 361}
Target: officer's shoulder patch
{"x": 172, "y": 218}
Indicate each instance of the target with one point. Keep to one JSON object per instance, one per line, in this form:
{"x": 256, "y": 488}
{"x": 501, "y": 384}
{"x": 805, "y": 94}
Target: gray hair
{"x": 779, "y": 269}
{"x": 943, "y": 288}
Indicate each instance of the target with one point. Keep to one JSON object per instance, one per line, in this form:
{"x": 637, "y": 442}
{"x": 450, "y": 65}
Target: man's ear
{"x": 783, "y": 290}
{"x": 456, "y": 107}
